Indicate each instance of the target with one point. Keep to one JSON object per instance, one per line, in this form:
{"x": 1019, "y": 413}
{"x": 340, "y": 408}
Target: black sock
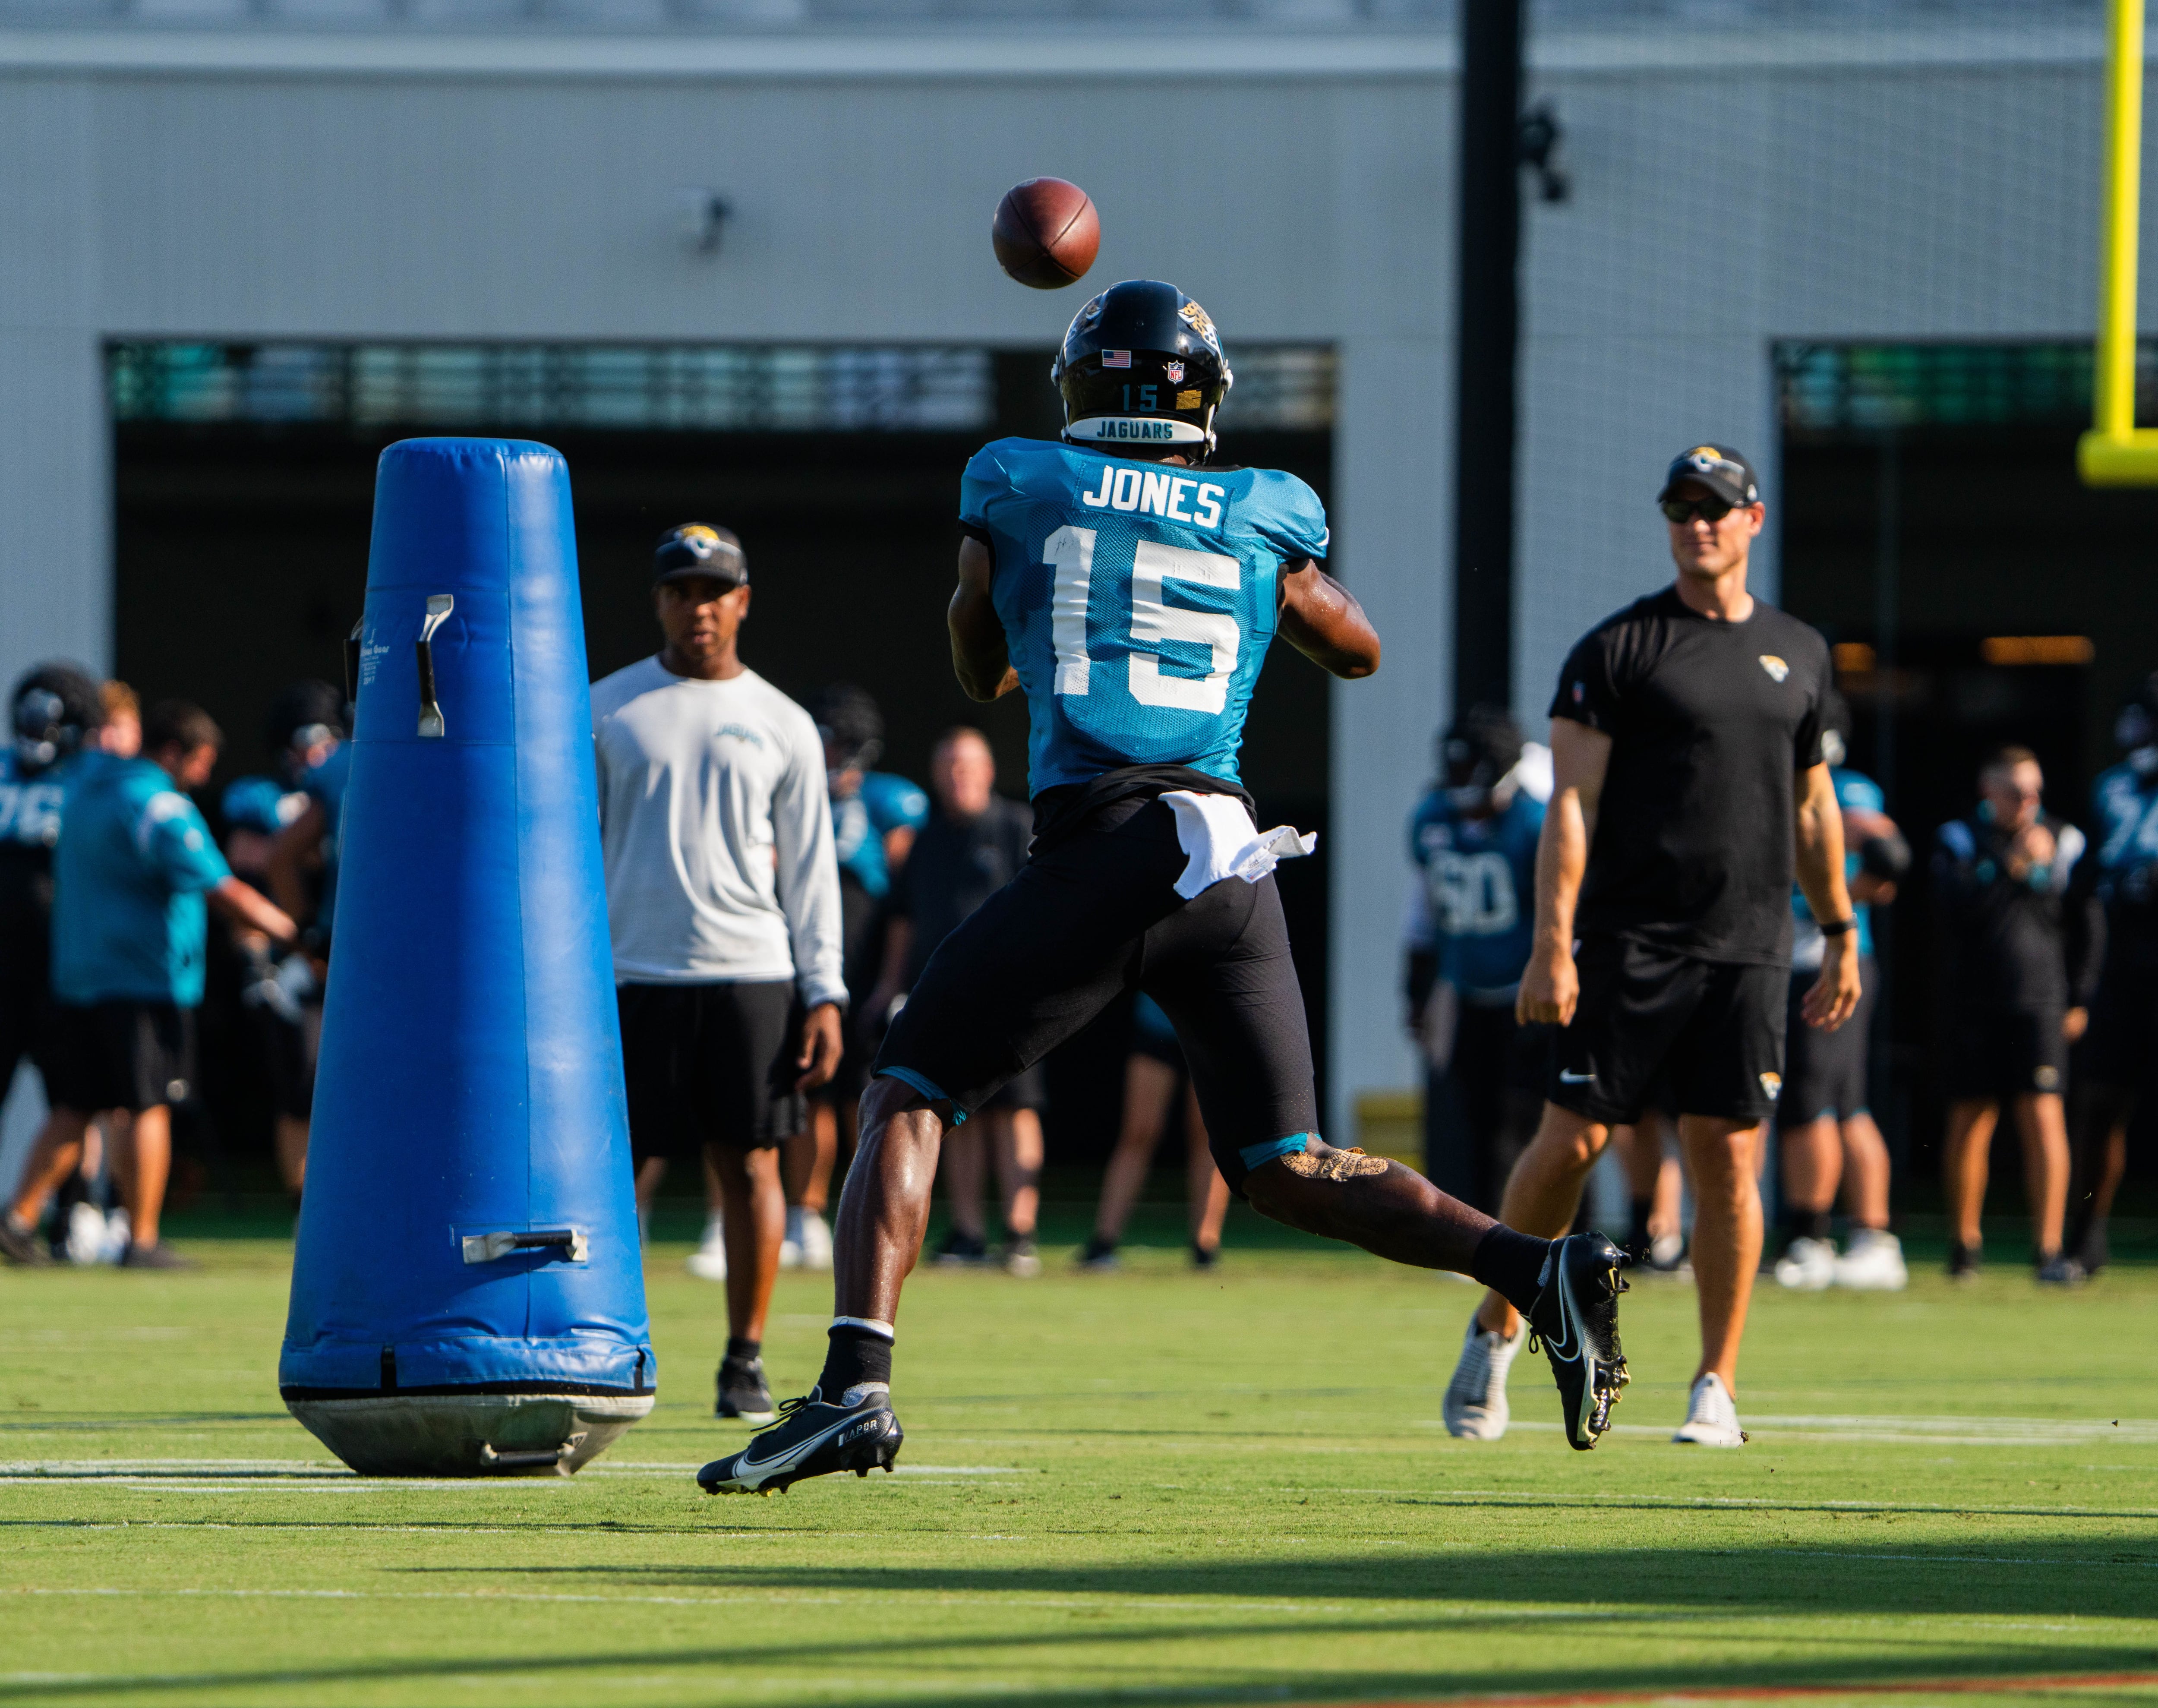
{"x": 745, "y": 1350}
{"x": 1637, "y": 1236}
{"x": 1509, "y": 1263}
{"x": 857, "y": 1356}
{"x": 1812, "y": 1223}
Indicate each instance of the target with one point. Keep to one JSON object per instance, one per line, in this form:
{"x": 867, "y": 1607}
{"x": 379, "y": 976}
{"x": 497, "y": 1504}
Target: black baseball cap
{"x": 1724, "y": 473}
{"x": 694, "y": 550}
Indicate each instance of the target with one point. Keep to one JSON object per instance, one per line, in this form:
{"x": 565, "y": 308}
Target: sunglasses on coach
{"x": 1685, "y": 509}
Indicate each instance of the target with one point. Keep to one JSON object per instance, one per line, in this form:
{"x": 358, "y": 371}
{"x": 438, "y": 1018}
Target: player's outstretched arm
{"x": 979, "y": 656}
{"x": 1819, "y": 835}
{"x": 1322, "y": 620}
{"x": 1551, "y": 985}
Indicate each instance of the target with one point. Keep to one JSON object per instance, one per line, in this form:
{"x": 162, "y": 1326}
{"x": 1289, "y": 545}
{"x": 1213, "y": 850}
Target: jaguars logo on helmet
{"x": 1142, "y": 364}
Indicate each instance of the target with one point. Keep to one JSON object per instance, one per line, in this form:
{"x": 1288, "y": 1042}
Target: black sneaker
{"x": 814, "y": 1439}
{"x": 18, "y": 1246}
{"x": 1100, "y": 1255}
{"x": 1204, "y": 1256}
{"x": 957, "y": 1249}
{"x": 2057, "y": 1271}
{"x": 1962, "y": 1261}
{"x": 160, "y": 1256}
{"x": 1576, "y": 1317}
{"x": 742, "y": 1392}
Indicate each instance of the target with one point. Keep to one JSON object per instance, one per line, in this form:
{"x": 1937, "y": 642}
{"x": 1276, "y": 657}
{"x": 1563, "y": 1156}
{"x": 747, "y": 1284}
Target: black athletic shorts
{"x": 2122, "y": 1043}
{"x": 1824, "y": 1072}
{"x": 2005, "y": 1055}
{"x": 131, "y": 1056}
{"x": 1714, "y": 1028}
{"x": 711, "y": 1063}
{"x": 26, "y": 1002}
{"x": 1094, "y": 915}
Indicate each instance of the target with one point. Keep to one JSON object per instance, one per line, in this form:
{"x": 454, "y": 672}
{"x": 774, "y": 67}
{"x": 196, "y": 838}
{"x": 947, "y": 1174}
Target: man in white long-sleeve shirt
{"x": 723, "y": 899}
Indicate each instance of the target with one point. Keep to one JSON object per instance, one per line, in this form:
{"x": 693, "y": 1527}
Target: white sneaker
{"x": 1712, "y": 1420}
{"x": 85, "y": 1234}
{"x": 816, "y": 1237}
{"x": 709, "y": 1261}
{"x": 1475, "y": 1406}
{"x": 1809, "y": 1265}
{"x": 1873, "y": 1263}
{"x": 789, "y": 1245}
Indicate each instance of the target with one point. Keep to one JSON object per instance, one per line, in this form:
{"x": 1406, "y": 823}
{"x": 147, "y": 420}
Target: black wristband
{"x": 1839, "y": 928}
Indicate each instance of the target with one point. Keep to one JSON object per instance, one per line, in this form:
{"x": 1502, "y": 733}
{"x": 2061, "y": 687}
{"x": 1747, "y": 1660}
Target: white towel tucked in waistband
{"x": 1217, "y": 832}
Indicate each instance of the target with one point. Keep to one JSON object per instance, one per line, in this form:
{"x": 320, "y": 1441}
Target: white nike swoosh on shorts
{"x": 1575, "y": 1079}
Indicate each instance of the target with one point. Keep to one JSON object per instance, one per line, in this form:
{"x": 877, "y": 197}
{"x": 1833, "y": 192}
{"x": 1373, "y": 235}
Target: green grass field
{"x": 1148, "y": 1487}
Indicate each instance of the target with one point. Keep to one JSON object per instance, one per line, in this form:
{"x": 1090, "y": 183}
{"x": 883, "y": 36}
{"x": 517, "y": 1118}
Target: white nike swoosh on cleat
{"x": 746, "y": 1467}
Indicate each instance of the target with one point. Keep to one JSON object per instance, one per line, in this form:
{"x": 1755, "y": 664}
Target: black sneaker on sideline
{"x": 1576, "y": 1317}
{"x": 160, "y": 1256}
{"x": 814, "y": 1439}
{"x": 956, "y": 1250}
{"x": 22, "y": 1248}
{"x": 1962, "y": 1261}
{"x": 1100, "y": 1255}
{"x": 743, "y": 1392}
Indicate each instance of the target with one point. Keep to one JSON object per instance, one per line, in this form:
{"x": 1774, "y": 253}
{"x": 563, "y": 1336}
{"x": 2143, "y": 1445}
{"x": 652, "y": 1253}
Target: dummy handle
{"x": 439, "y": 607}
{"x": 352, "y": 662}
{"x": 522, "y": 1460}
{"x": 486, "y": 1248}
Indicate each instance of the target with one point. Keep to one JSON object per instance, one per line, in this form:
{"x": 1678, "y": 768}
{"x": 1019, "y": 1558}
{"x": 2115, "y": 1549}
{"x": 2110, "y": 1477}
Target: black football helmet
{"x": 54, "y": 706}
{"x": 851, "y": 724}
{"x": 1142, "y": 365}
{"x": 1483, "y": 745}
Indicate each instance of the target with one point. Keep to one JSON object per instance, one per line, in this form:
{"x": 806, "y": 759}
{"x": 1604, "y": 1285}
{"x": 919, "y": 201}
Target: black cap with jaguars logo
{"x": 1724, "y": 473}
{"x": 696, "y": 549}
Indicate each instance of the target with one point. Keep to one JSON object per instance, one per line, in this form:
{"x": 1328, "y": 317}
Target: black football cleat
{"x": 1575, "y": 1318}
{"x": 814, "y": 1439}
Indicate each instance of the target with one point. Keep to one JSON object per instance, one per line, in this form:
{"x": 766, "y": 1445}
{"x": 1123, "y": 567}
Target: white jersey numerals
{"x": 1070, "y": 553}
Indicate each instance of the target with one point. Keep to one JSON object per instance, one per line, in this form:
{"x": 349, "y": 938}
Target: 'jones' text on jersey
{"x": 1138, "y": 599}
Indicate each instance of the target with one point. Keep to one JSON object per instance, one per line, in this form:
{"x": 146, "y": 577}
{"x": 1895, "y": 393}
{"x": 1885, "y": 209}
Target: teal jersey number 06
{"x": 1138, "y": 599}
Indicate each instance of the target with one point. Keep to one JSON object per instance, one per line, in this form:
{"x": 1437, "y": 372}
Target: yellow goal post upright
{"x": 2116, "y": 452}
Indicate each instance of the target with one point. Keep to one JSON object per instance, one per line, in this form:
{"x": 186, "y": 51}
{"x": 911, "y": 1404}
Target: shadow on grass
{"x": 1547, "y": 1608}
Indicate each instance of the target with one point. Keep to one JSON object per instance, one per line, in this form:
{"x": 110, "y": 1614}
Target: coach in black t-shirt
{"x": 1689, "y": 789}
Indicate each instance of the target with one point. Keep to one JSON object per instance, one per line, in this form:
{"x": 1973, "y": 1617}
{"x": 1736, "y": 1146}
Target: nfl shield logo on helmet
{"x": 1176, "y": 372}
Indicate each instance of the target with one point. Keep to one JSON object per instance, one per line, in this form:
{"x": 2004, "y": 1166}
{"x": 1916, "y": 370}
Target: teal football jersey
{"x": 1138, "y": 599}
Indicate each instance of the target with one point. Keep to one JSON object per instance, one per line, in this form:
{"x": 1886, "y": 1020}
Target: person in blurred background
{"x": 2017, "y": 943}
{"x": 1154, "y": 1072}
{"x": 1825, "y": 1124}
{"x": 2114, "y": 1059}
{"x": 130, "y": 878}
{"x": 974, "y": 844}
{"x": 121, "y": 732}
{"x": 287, "y": 821}
{"x": 1473, "y": 842}
{"x": 54, "y": 711}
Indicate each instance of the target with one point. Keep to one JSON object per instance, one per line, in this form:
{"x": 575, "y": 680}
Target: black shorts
{"x": 2123, "y": 1040}
{"x": 1824, "y": 1072}
{"x": 1089, "y": 918}
{"x": 26, "y": 1005}
{"x": 1714, "y": 1028}
{"x": 1997, "y": 1056}
{"x": 131, "y": 1056}
{"x": 711, "y": 1063}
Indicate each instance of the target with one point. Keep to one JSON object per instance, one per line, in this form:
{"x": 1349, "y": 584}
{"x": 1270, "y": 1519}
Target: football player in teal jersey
{"x": 1129, "y": 586}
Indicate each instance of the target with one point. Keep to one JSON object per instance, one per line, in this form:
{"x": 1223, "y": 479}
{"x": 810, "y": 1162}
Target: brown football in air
{"x": 1046, "y": 233}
